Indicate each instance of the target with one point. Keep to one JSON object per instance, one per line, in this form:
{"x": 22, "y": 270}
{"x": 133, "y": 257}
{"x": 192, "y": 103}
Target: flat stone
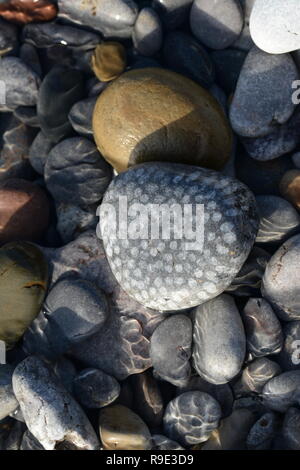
{"x": 147, "y": 34}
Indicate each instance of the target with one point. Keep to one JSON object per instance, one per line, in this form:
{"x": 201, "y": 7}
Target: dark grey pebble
{"x": 191, "y": 417}
{"x": 27, "y": 115}
{"x": 73, "y": 220}
{"x": 263, "y": 432}
{"x": 147, "y": 399}
{"x": 291, "y": 429}
{"x": 8, "y": 400}
{"x": 296, "y": 159}
{"x": 66, "y": 372}
{"x": 14, "y": 439}
{"x": 95, "y": 389}
{"x": 30, "y": 56}
{"x": 289, "y": 357}
{"x": 183, "y": 54}
{"x": 172, "y": 12}
{"x": 81, "y": 115}
{"x": 228, "y": 64}
{"x": 283, "y": 391}
{"x": 256, "y": 375}
{"x": 147, "y": 34}
{"x": 8, "y": 38}
{"x": 164, "y": 443}
{"x": 38, "y": 152}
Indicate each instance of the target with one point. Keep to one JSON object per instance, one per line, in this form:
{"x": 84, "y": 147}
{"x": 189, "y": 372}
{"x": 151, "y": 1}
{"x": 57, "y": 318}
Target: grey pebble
{"x": 172, "y": 12}
{"x": 164, "y": 443}
{"x": 8, "y": 401}
{"x": 14, "y": 439}
{"x": 147, "y": 398}
{"x": 256, "y": 375}
{"x": 38, "y": 152}
{"x": 95, "y": 389}
{"x": 27, "y": 115}
{"x": 283, "y": 391}
{"x": 66, "y": 372}
{"x": 81, "y": 115}
{"x": 29, "y": 55}
{"x": 147, "y": 34}
{"x": 73, "y": 220}
{"x": 29, "y": 442}
{"x": 289, "y": 357}
{"x": 8, "y": 38}
{"x": 263, "y": 432}
{"x": 291, "y": 429}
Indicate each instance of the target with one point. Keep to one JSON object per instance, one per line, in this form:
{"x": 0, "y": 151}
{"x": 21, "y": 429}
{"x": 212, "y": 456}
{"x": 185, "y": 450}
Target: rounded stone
{"x": 27, "y": 11}
{"x": 283, "y": 391}
{"x": 170, "y": 349}
{"x": 219, "y": 340}
{"x": 290, "y": 187}
{"x": 281, "y": 280}
{"x": 216, "y": 24}
{"x": 24, "y": 211}
{"x": 183, "y": 273}
{"x": 95, "y": 389}
{"x": 8, "y": 37}
{"x": 172, "y": 12}
{"x": 289, "y": 357}
{"x": 256, "y": 375}
{"x": 122, "y": 429}
{"x": 263, "y": 432}
{"x": 155, "y": 114}
{"x": 147, "y": 399}
{"x": 38, "y": 152}
{"x": 147, "y": 34}
{"x": 8, "y": 400}
{"x": 109, "y": 60}
{"x": 191, "y": 417}
{"x": 24, "y": 278}
{"x": 81, "y": 116}
{"x": 164, "y": 443}
{"x": 75, "y": 172}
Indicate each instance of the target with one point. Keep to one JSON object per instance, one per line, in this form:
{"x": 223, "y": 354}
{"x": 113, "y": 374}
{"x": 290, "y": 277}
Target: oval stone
{"x": 290, "y": 187}
{"x": 283, "y": 391}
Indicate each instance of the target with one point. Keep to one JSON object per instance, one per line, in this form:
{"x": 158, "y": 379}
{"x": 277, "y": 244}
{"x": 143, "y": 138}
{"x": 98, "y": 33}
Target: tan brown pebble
{"x": 109, "y": 60}
{"x": 122, "y": 429}
{"x": 154, "y": 114}
{"x": 290, "y": 187}
{"x": 28, "y": 11}
{"x": 23, "y": 285}
{"x": 24, "y": 210}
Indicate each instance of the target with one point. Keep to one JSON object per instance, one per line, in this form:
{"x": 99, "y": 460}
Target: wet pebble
{"x": 263, "y": 432}
{"x": 81, "y": 116}
{"x": 172, "y": 12}
{"x": 256, "y": 375}
{"x": 289, "y": 357}
{"x": 8, "y": 400}
{"x": 8, "y": 38}
{"x": 147, "y": 35}
{"x": 108, "y": 60}
{"x": 148, "y": 401}
{"x": 73, "y": 221}
{"x": 38, "y": 152}
{"x": 282, "y": 391}
{"x": 291, "y": 429}
{"x": 95, "y": 389}
{"x": 164, "y": 443}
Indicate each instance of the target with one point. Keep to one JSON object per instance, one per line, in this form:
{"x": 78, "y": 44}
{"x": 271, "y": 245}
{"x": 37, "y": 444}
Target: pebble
{"x": 164, "y": 443}
{"x": 170, "y": 349}
{"x": 8, "y": 37}
{"x": 27, "y": 115}
{"x": 290, "y": 355}
{"x": 81, "y": 116}
{"x": 274, "y": 25}
{"x": 256, "y": 375}
{"x": 24, "y": 277}
{"x": 122, "y": 429}
{"x": 73, "y": 221}
{"x": 147, "y": 34}
{"x": 44, "y": 400}
{"x": 38, "y": 152}
{"x": 60, "y": 89}
{"x": 263, "y": 329}
{"x": 24, "y": 211}
{"x": 29, "y": 442}
{"x": 228, "y": 64}
{"x": 164, "y": 121}
{"x": 278, "y": 219}
{"x": 27, "y": 11}
{"x": 216, "y": 24}
{"x": 228, "y": 206}
{"x": 219, "y": 340}
{"x": 148, "y": 401}
{"x": 113, "y": 18}
{"x": 8, "y": 400}
{"x": 109, "y": 61}
{"x": 262, "y": 98}
{"x": 74, "y": 310}
{"x": 183, "y": 54}
{"x": 66, "y": 372}
{"x": 291, "y": 429}
{"x": 29, "y": 55}
{"x": 283, "y": 391}
{"x": 95, "y": 389}
{"x": 244, "y": 41}
{"x": 13, "y": 442}
{"x": 290, "y": 187}
{"x": 21, "y": 84}
{"x": 263, "y": 432}
{"x": 75, "y": 173}
{"x": 191, "y": 417}
{"x": 281, "y": 282}
{"x": 172, "y": 12}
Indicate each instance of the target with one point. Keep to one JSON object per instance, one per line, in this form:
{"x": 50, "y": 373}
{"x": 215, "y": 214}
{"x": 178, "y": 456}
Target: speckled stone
{"x": 216, "y": 24}
{"x": 147, "y": 34}
{"x": 122, "y": 429}
{"x": 24, "y": 277}
{"x": 26, "y": 11}
{"x": 164, "y": 443}
{"x": 8, "y": 37}
{"x": 180, "y": 277}
{"x": 283, "y": 391}
{"x": 281, "y": 280}
{"x": 289, "y": 357}
{"x": 170, "y": 349}
{"x": 278, "y": 219}
{"x": 8, "y": 400}
{"x": 172, "y": 12}
{"x": 170, "y": 118}
{"x": 44, "y": 400}
{"x": 81, "y": 116}
{"x": 191, "y": 417}
{"x": 263, "y": 432}
{"x": 255, "y": 376}
{"x": 95, "y": 389}
{"x": 109, "y": 60}
{"x": 290, "y": 187}
{"x": 262, "y": 98}
{"x": 219, "y": 340}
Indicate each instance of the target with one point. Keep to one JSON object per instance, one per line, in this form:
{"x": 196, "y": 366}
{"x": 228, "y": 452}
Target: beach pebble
{"x": 172, "y": 12}
{"x": 8, "y": 38}
{"x": 81, "y": 116}
{"x": 8, "y": 401}
{"x": 289, "y": 357}
{"x": 108, "y": 60}
{"x": 263, "y": 432}
{"x": 291, "y": 429}
{"x": 282, "y": 391}
{"x": 147, "y": 34}
{"x": 95, "y": 389}
{"x": 290, "y": 187}
{"x": 164, "y": 443}
{"x": 73, "y": 221}
{"x": 256, "y": 375}
{"x": 38, "y": 152}
{"x": 148, "y": 401}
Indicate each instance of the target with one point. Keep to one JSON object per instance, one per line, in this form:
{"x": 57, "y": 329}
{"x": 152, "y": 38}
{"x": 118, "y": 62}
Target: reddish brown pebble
{"x": 290, "y": 187}
{"x": 24, "y": 211}
{"x": 28, "y": 11}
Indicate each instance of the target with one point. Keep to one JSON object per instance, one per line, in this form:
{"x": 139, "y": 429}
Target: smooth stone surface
{"x": 228, "y": 64}
{"x": 8, "y": 37}
{"x": 27, "y": 11}
{"x": 38, "y": 152}
{"x": 172, "y": 12}
{"x": 291, "y": 429}
{"x": 263, "y": 329}
{"x": 183, "y": 54}
{"x": 73, "y": 221}
{"x": 122, "y": 429}
{"x": 81, "y": 116}
{"x": 24, "y": 278}
{"x": 170, "y": 118}
{"x": 95, "y": 389}
{"x": 109, "y": 60}
{"x": 191, "y": 417}
{"x": 262, "y": 98}
{"x": 75, "y": 172}
{"x": 256, "y": 375}
{"x": 278, "y": 219}
{"x": 51, "y": 34}
{"x": 263, "y": 432}
{"x": 147, "y": 34}
{"x": 289, "y": 357}
{"x": 219, "y": 340}
{"x": 281, "y": 280}
{"x": 164, "y": 443}
{"x": 74, "y": 310}
{"x": 290, "y": 187}
{"x": 24, "y": 211}
{"x": 61, "y": 88}
{"x": 232, "y": 432}
{"x": 179, "y": 281}
{"x": 21, "y": 83}
{"x": 8, "y": 400}
{"x": 44, "y": 400}
{"x": 147, "y": 398}
{"x": 244, "y": 41}
{"x": 113, "y": 18}
{"x": 216, "y": 24}
{"x": 170, "y": 349}
{"x": 274, "y": 25}
{"x": 283, "y": 391}
{"x": 66, "y": 372}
